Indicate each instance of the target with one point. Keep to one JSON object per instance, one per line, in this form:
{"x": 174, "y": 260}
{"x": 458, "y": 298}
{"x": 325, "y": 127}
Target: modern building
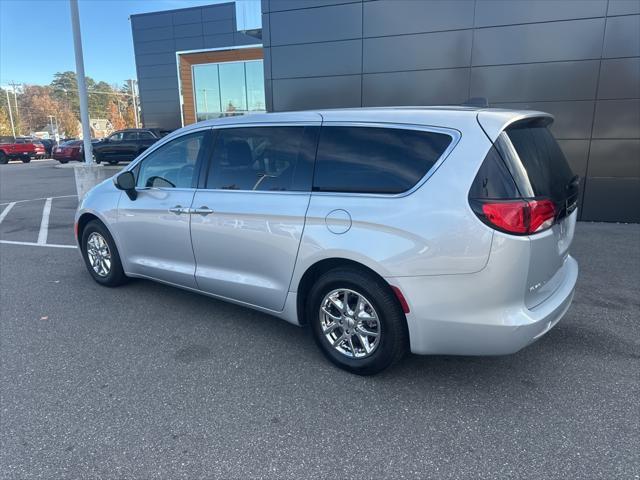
{"x": 577, "y": 59}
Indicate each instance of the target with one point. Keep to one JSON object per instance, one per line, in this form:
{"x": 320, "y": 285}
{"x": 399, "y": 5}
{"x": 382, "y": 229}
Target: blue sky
{"x": 36, "y": 39}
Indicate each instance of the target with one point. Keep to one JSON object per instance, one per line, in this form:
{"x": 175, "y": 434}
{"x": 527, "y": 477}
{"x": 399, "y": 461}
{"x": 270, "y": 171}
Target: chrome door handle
{"x": 201, "y": 211}
{"x": 179, "y": 209}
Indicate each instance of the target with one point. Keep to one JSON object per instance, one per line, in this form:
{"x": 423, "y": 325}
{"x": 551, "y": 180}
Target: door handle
{"x": 201, "y": 211}
{"x": 179, "y": 209}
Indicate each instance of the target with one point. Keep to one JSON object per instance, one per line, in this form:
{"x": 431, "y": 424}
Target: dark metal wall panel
{"x": 218, "y": 26}
{"x": 156, "y": 59}
{"x": 339, "y": 22}
{"x": 617, "y": 119}
{"x": 218, "y": 12}
{"x": 573, "y": 120}
{"x": 187, "y": 15}
{"x": 417, "y": 52}
{"x": 281, "y": 5}
{"x": 159, "y": 46}
{"x": 189, "y": 43}
{"x": 425, "y": 87}
{"x": 218, "y": 41}
{"x": 622, "y": 37}
{"x": 536, "y": 82}
{"x": 266, "y": 35}
{"x": 620, "y": 78}
{"x": 150, "y": 21}
{"x": 156, "y": 71}
{"x": 612, "y": 199}
{"x": 158, "y": 36}
{"x": 317, "y": 59}
{"x": 401, "y": 17}
{"x": 623, "y": 7}
{"x": 152, "y": 34}
{"x": 187, "y": 30}
{"x": 509, "y": 12}
{"x": 322, "y": 92}
{"x": 539, "y": 42}
{"x": 614, "y": 158}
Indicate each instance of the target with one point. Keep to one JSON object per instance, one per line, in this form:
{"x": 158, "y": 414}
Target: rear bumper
{"x": 463, "y": 315}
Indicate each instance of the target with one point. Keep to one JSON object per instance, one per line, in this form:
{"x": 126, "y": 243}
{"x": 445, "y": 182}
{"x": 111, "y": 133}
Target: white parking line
{"x": 31, "y": 244}
{"x": 44, "y": 224}
{"x": 36, "y": 199}
{"x": 6, "y": 211}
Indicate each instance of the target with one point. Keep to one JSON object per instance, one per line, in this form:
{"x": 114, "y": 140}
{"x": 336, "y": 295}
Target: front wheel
{"x": 356, "y": 321}
{"x": 113, "y": 162}
{"x": 25, "y": 159}
{"x": 3, "y": 158}
{"x": 63, "y": 161}
{"x": 101, "y": 256}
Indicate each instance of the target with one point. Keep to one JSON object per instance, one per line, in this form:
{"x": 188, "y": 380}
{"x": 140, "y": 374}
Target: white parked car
{"x": 434, "y": 230}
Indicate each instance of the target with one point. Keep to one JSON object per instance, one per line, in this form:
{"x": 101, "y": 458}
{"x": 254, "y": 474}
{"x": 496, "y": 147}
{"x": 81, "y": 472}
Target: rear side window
{"x": 536, "y": 161}
{"x": 145, "y": 136}
{"x": 375, "y": 160}
{"x": 263, "y": 158}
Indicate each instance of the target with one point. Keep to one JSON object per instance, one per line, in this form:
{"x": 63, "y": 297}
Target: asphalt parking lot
{"x": 146, "y": 381}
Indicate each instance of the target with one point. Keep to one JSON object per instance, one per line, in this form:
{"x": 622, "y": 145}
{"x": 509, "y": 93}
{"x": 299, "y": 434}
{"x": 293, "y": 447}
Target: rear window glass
{"x": 375, "y": 160}
{"x": 538, "y": 165}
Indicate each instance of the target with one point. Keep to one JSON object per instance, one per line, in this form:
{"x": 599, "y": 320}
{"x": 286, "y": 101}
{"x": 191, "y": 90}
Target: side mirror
{"x": 127, "y": 182}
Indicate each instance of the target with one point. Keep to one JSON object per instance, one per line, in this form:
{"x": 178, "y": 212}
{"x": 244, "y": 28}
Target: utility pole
{"x": 82, "y": 83}
{"x": 135, "y": 102}
{"x": 15, "y": 98}
{"x": 13, "y": 128}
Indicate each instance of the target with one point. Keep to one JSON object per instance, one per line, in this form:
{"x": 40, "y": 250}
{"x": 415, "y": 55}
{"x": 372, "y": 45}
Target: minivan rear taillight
{"x": 520, "y": 217}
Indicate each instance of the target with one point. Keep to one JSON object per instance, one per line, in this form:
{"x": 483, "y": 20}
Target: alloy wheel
{"x": 350, "y": 323}
{"x": 98, "y": 254}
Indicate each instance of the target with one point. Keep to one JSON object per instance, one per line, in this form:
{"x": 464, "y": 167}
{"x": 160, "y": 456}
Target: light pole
{"x": 135, "y": 102}
{"x": 82, "y": 84}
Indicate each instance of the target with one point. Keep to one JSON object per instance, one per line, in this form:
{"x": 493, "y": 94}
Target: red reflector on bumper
{"x": 401, "y": 299}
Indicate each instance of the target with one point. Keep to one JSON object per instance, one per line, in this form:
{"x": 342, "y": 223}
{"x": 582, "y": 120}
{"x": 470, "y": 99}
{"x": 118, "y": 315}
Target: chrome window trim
{"x": 452, "y": 132}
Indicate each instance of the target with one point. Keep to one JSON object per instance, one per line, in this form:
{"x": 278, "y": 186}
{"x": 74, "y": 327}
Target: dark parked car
{"x": 125, "y": 145}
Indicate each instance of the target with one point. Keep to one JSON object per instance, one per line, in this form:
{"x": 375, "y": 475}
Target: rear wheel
{"x": 97, "y": 158}
{"x": 113, "y": 162}
{"x": 25, "y": 159}
{"x": 356, "y": 321}
{"x": 101, "y": 256}
{"x": 63, "y": 161}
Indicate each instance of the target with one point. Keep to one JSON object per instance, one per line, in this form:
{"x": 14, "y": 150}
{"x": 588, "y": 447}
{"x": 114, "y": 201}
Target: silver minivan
{"x": 433, "y": 230}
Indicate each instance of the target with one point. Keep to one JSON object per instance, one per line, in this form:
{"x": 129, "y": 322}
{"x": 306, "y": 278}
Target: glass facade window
{"x": 229, "y": 88}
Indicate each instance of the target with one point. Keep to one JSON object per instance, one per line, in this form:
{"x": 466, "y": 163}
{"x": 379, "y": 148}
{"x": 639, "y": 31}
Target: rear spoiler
{"x": 493, "y": 122}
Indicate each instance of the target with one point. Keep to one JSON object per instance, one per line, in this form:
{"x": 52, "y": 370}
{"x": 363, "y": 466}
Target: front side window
{"x": 116, "y": 137}
{"x": 145, "y": 136}
{"x": 263, "y": 158}
{"x": 128, "y": 136}
{"x": 173, "y": 164}
{"x": 375, "y": 160}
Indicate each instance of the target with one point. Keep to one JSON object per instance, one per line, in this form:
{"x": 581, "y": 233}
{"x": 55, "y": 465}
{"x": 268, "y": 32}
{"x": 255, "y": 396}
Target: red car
{"x": 68, "y": 151}
{"x": 20, "y": 149}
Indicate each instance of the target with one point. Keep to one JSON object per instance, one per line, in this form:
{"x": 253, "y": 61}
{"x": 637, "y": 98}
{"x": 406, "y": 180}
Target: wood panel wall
{"x": 186, "y": 79}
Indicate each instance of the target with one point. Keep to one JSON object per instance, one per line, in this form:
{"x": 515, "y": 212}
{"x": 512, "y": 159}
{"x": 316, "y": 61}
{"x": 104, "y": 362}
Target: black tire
{"x": 116, "y": 275}
{"x": 393, "y": 342}
{"x": 3, "y": 158}
{"x": 97, "y": 158}
{"x": 25, "y": 159}
{"x": 113, "y": 162}
{"x": 63, "y": 161}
